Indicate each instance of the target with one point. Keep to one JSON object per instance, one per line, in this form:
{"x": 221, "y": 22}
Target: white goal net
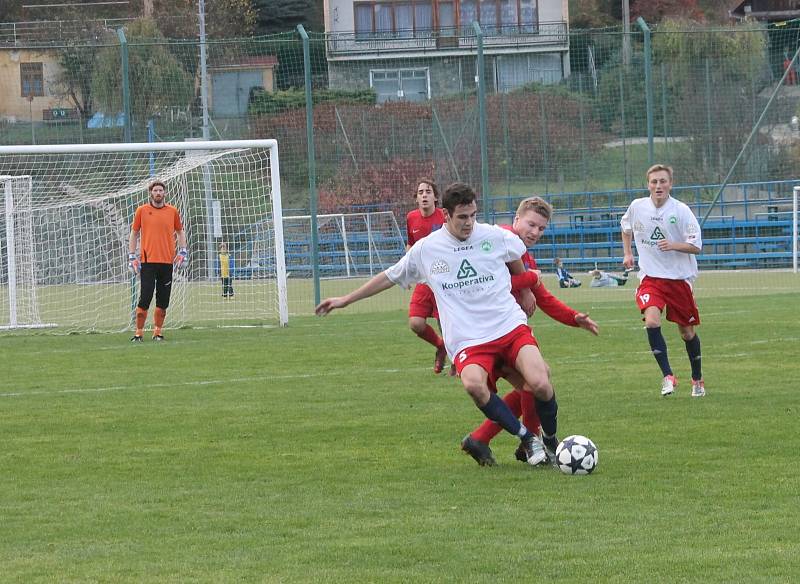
{"x": 66, "y": 219}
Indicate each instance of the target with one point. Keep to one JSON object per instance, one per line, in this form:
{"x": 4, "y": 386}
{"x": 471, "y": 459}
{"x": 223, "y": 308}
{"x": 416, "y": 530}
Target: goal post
{"x": 66, "y": 221}
{"x": 17, "y": 255}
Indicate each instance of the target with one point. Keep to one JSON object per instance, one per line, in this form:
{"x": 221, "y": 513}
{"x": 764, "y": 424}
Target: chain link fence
{"x": 564, "y": 111}
{"x": 576, "y": 115}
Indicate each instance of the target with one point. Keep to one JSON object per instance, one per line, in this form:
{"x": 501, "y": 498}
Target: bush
{"x": 264, "y": 102}
{"x": 391, "y": 184}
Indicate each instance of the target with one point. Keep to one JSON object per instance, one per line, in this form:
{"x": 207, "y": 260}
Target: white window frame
{"x": 398, "y": 72}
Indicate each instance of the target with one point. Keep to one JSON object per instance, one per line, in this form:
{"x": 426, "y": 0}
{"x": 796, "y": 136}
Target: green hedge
{"x": 265, "y": 102}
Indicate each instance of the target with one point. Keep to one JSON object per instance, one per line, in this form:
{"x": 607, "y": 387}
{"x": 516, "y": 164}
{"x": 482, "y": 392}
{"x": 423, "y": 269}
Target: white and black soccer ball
{"x": 576, "y": 455}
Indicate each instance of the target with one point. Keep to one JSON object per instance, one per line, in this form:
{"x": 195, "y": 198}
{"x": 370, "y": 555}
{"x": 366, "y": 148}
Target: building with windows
{"x": 29, "y": 85}
{"x": 418, "y": 49}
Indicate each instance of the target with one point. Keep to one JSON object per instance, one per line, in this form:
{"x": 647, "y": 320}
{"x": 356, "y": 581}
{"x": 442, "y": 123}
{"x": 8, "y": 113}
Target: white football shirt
{"x": 674, "y": 221}
{"x": 470, "y": 281}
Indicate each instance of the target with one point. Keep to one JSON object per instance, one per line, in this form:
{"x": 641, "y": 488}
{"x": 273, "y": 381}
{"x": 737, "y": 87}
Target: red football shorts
{"x": 423, "y": 303}
{"x": 674, "y": 295}
{"x": 493, "y": 354}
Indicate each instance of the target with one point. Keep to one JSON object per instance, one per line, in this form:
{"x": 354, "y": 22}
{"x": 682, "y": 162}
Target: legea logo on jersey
{"x": 466, "y": 270}
{"x": 486, "y": 245}
{"x": 657, "y": 234}
{"x": 439, "y": 267}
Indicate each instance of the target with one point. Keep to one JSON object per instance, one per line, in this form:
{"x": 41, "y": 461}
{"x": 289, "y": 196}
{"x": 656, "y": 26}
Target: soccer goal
{"x": 66, "y": 220}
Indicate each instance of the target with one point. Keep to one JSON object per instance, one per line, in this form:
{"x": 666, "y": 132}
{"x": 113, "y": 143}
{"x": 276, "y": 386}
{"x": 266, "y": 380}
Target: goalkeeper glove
{"x": 133, "y": 264}
{"x": 182, "y": 258}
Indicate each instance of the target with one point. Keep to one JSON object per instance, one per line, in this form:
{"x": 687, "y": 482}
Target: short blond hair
{"x": 657, "y": 168}
{"x": 537, "y": 204}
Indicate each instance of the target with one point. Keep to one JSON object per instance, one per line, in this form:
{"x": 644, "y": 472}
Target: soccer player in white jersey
{"x": 468, "y": 265}
{"x": 667, "y": 237}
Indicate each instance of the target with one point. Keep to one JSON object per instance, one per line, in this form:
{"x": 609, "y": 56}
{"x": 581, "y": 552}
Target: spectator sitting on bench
{"x": 565, "y": 279}
{"x": 602, "y": 279}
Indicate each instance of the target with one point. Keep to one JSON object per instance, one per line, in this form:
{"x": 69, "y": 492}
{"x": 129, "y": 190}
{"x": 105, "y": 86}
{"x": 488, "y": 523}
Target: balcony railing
{"x": 549, "y": 34}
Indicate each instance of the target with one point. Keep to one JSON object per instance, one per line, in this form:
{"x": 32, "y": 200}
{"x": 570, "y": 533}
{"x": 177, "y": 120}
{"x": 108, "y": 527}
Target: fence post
{"x": 648, "y": 86}
{"x": 126, "y": 90}
{"x": 794, "y": 228}
{"x": 312, "y": 169}
{"x": 664, "y": 109}
{"x": 709, "y": 129}
{"x": 201, "y": 7}
{"x": 480, "y": 79}
{"x": 625, "y": 168}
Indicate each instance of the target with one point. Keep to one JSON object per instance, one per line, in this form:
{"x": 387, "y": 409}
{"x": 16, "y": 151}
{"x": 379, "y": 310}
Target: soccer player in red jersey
{"x": 530, "y": 222}
{"x": 423, "y": 220}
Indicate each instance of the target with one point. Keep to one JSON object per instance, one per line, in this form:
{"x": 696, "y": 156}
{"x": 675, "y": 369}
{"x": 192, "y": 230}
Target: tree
{"x": 157, "y": 79}
{"x": 224, "y": 18}
{"x": 284, "y": 15}
{"x": 77, "y": 61}
{"x": 11, "y": 11}
{"x": 712, "y": 80}
{"x": 589, "y": 14}
{"x": 657, "y": 10}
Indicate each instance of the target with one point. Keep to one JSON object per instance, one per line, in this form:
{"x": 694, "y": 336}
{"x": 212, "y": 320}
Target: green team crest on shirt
{"x": 486, "y": 245}
{"x": 657, "y": 234}
{"x": 465, "y": 270}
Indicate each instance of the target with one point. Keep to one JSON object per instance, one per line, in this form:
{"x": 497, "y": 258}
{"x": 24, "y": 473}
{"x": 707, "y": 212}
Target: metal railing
{"x": 54, "y": 32}
{"x": 549, "y": 34}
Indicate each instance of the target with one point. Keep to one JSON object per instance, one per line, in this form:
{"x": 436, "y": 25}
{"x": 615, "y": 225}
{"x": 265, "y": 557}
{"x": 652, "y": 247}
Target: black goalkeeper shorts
{"x": 155, "y": 278}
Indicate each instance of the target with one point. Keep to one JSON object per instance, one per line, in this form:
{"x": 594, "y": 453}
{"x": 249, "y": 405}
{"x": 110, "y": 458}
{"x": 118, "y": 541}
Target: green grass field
{"x": 328, "y": 452}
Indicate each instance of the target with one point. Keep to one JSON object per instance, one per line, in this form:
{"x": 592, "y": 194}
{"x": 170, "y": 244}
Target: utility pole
{"x": 201, "y": 6}
{"x": 626, "y": 32}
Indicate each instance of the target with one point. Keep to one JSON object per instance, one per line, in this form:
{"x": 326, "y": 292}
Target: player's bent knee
{"x": 474, "y": 381}
{"x": 417, "y": 325}
{"x": 541, "y": 388}
{"x": 478, "y": 392}
{"x": 652, "y": 317}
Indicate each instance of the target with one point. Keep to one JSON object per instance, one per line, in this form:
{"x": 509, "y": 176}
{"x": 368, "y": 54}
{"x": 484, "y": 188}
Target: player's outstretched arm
{"x": 373, "y": 286}
{"x": 582, "y": 320}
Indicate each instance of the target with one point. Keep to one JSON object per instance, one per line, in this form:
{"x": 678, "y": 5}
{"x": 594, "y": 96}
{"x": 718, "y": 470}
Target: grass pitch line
{"x": 200, "y": 383}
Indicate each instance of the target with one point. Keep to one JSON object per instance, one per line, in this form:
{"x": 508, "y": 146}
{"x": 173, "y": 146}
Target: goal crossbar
{"x": 139, "y": 147}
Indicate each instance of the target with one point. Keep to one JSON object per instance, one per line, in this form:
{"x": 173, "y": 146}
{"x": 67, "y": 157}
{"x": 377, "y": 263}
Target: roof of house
{"x": 250, "y": 62}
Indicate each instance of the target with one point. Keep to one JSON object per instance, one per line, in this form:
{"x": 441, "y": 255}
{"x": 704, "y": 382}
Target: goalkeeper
{"x": 155, "y": 227}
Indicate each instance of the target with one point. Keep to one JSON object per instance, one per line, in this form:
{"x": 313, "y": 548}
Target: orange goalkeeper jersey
{"x": 157, "y": 227}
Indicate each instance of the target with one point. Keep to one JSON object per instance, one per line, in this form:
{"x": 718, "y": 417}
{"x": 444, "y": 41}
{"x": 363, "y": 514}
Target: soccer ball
{"x": 576, "y": 455}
